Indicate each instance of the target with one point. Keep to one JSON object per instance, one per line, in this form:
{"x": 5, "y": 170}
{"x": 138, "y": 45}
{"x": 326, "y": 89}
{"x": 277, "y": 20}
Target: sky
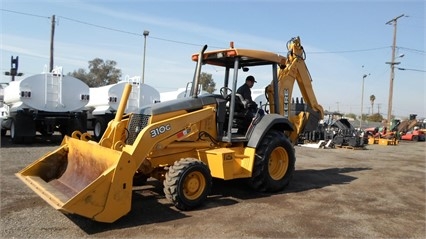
{"x": 343, "y": 40}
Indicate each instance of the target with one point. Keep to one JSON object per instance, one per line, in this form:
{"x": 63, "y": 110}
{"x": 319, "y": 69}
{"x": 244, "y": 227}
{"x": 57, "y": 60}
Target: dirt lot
{"x": 376, "y": 193}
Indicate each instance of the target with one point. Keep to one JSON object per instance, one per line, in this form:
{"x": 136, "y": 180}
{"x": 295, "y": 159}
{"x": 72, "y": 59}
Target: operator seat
{"x": 240, "y": 102}
{"x": 242, "y": 114}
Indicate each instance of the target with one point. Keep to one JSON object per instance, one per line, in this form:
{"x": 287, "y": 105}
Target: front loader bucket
{"x": 84, "y": 178}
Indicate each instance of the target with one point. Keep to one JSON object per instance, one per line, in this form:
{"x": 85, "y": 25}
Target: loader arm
{"x": 295, "y": 69}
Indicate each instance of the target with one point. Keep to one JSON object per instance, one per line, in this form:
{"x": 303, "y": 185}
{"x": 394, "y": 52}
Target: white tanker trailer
{"x": 4, "y": 112}
{"x": 104, "y": 102}
{"x": 45, "y": 103}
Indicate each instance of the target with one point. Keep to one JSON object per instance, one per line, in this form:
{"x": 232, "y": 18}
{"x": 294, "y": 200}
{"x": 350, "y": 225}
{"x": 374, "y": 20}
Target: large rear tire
{"x": 187, "y": 183}
{"x": 274, "y": 163}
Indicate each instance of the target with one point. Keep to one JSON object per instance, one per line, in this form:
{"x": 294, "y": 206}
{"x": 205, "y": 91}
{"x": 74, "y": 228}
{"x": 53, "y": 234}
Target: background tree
{"x": 100, "y": 73}
{"x": 375, "y": 117}
{"x": 372, "y": 99}
{"x": 207, "y": 82}
{"x": 350, "y": 115}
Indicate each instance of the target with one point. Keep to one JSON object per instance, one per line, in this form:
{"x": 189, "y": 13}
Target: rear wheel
{"x": 187, "y": 183}
{"x": 274, "y": 163}
{"x": 415, "y": 138}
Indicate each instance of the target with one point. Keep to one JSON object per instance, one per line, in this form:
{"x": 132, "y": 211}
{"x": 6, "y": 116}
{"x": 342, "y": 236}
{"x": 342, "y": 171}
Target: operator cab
{"x": 239, "y": 116}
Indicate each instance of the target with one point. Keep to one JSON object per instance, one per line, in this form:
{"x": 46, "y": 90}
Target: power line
{"x": 409, "y": 69}
{"x": 99, "y": 26}
{"x": 411, "y": 50}
{"x": 179, "y": 42}
{"x": 23, "y": 13}
{"x": 348, "y": 51}
{"x": 131, "y": 33}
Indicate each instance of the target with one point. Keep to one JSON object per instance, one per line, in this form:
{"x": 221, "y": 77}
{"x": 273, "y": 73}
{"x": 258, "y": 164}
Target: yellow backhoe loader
{"x": 184, "y": 142}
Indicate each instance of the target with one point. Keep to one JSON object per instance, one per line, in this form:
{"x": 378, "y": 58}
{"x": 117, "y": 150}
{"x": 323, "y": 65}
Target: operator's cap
{"x": 251, "y": 78}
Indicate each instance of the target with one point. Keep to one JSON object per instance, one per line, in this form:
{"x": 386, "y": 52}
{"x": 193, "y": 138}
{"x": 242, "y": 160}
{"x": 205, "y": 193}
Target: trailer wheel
{"x": 99, "y": 128}
{"x": 274, "y": 163}
{"x": 187, "y": 183}
{"x": 16, "y": 139}
{"x": 67, "y": 127}
{"x": 21, "y": 132}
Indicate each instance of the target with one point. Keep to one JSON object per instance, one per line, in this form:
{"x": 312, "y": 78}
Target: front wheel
{"x": 187, "y": 183}
{"x": 274, "y": 163}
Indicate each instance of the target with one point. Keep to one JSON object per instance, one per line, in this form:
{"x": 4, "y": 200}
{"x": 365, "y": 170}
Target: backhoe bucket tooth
{"x": 83, "y": 178}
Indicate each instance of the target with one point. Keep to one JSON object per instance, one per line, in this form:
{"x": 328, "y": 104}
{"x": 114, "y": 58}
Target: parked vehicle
{"x": 180, "y": 93}
{"x": 104, "y": 102}
{"x": 46, "y": 103}
{"x": 414, "y": 135}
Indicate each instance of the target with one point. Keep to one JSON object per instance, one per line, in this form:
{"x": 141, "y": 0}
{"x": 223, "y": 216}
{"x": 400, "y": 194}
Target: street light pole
{"x": 145, "y": 34}
{"x": 392, "y": 65}
{"x": 362, "y": 98}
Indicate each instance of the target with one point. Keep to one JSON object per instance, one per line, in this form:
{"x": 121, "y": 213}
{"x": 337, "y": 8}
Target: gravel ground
{"x": 378, "y": 192}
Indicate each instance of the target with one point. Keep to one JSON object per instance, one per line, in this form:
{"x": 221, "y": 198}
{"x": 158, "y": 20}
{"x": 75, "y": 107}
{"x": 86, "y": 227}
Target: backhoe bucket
{"x": 83, "y": 178}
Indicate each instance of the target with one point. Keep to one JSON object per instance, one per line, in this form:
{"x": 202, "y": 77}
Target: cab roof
{"x": 248, "y": 57}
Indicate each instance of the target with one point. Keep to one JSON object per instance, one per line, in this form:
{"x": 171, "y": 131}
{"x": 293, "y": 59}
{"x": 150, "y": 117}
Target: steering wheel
{"x": 225, "y": 89}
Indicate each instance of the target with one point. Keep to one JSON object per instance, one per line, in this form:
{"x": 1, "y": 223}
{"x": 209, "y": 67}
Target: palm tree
{"x": 372, "y": 99}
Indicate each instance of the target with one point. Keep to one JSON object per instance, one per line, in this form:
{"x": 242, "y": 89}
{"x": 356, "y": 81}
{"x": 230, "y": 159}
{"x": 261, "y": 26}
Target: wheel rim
{"x": 278, "y": 163}
{"x": 12, "y": 130}
{"x": 194, "y": 185}
{"x": 97, "y": 129}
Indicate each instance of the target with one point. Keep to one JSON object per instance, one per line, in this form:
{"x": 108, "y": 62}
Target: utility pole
{"x": 145, "y": 34}
{"x": 362, "y": 98}
{"x": 52, "y": 34}
{"x": 392, "y": 66}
